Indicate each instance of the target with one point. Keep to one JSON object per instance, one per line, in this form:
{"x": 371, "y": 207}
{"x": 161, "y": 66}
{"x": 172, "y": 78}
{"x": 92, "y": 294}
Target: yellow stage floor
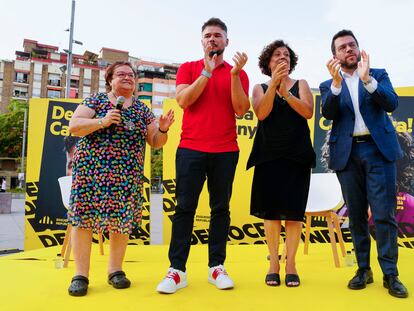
{"x": 29, "y": 281}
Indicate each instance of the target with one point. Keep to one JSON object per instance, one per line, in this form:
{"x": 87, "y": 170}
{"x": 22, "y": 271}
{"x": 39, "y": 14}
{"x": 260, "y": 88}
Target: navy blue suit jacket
{"x": 373, "y": 108}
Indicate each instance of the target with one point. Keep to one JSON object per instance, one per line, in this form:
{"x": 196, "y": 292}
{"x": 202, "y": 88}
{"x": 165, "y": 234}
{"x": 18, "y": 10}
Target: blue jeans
{"x": 192, "y": 168}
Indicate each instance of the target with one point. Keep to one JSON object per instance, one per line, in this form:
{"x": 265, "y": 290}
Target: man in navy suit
{"x": 363, "y": 148}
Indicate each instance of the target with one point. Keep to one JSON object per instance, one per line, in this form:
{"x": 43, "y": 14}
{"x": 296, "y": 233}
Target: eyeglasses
{"x": 123, "y": 75}
{"x": 342, "y": 48}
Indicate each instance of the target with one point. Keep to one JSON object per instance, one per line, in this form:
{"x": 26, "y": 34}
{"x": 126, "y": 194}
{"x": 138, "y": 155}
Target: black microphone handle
{"x": 119, "y": 107}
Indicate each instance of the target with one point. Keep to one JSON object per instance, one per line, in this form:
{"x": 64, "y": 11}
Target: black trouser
{"x": 192, "y": 168}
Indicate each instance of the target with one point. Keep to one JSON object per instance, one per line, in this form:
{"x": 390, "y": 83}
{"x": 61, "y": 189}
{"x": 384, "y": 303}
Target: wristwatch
{"x": 206, "y": 74}
{"x": 368, "y": 81}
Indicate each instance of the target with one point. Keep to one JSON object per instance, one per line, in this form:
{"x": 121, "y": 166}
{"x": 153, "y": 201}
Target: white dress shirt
{"x": 352, "y": 82}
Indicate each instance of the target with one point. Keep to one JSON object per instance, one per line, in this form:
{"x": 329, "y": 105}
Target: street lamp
{"x": 69, "y": 52}
{"x": 22, "y": 177}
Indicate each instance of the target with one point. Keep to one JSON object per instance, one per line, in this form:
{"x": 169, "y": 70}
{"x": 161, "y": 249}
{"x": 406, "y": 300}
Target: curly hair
{"x": 266, "y": 55}
{"x": 110, "y": 72}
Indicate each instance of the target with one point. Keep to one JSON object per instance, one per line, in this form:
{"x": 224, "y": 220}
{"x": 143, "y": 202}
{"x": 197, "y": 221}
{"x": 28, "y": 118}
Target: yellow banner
{"x": 48, "y": 141}
{"x": 246, "y": 229}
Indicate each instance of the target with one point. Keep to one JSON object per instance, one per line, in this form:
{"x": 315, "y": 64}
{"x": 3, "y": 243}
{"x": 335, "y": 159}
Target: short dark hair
{"x": 110, "y": 72}
{"x": 342, "y": 33}
{"x": 70, "y": 142}
{"x": 267, "y": 52}
{"x": 214, "y": 21}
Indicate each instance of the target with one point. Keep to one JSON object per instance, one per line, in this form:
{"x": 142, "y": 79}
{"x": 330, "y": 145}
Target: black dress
{"x": 283, "y": 156}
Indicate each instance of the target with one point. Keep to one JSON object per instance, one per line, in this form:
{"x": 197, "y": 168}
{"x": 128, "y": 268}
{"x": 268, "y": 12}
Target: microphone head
{"x": 120, "y": 100}
{"x": 216, "y": 52}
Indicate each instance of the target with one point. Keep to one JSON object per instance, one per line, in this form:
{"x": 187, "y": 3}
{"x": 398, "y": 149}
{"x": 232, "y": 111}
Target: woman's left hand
{"x": 283, "y": 90}
{"x": 165, "y": 121}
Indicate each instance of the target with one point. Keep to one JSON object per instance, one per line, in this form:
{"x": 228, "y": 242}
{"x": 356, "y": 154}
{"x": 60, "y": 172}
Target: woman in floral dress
{"x": 108, "y": 171}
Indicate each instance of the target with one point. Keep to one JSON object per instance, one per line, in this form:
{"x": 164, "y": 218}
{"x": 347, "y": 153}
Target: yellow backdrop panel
{"x": 45, "y": 219}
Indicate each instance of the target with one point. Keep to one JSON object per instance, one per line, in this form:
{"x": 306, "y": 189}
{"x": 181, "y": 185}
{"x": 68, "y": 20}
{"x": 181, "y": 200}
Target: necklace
{"x": 130, "y": 125}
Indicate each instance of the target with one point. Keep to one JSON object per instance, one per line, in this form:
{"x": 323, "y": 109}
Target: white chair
{"x": 65, "y": 184}
{"x": 324, "y": 198}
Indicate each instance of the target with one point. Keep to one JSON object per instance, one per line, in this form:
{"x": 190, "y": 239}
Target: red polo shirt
{"x": 209, "y": 124}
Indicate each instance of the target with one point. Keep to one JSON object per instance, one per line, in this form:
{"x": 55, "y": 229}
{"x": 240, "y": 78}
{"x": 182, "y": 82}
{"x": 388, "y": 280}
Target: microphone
{"x": 120, "y": 100}
{"x": 216, "y": 52}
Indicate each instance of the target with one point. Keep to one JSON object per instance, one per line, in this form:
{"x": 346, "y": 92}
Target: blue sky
{"x": 170, "y": 30}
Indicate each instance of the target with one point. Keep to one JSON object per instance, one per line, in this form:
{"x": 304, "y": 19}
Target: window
{"x": 53, "y": 79}
{"x": 161, "y": 87}
{"x": 86, "y": 81}
{"x": 36, "y": 92}
{"x": 37, "y": 77}
{"x": 74, "y": 83}
{"x": 145, "y": 87}
{"x": 21, "y": 77}
{"x": 53, "y": 94}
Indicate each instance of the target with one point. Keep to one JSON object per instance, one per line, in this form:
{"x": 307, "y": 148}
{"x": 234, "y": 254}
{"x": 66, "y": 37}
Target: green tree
{"x": 156, "y": 163}
{"x": 11, "y": 129}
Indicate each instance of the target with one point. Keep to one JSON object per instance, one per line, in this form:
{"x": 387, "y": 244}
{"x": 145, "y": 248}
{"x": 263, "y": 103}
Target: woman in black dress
{"x": 282, "y": 154}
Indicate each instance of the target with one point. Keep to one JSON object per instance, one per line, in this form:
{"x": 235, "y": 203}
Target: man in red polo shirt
{"x": 212, "y": 93}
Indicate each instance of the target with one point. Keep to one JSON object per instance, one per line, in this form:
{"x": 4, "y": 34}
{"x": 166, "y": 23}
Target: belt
{"x": 362, "y": 138}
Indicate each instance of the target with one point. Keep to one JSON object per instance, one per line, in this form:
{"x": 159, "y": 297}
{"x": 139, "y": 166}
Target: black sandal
{"x": 272, "y": 279}
{"x": 78, "y": 286}
{"x": 292, "y": 278}
{"x": 118, "y": 280}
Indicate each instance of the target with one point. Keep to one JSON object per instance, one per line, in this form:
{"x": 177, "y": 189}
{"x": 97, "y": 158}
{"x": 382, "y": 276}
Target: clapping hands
{"x": 240, "y": 59}
{"x": 363, "y": 66}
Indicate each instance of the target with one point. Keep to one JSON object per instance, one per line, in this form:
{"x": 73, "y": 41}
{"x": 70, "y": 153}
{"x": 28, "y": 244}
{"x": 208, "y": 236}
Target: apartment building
{"x": 40, "y": 71}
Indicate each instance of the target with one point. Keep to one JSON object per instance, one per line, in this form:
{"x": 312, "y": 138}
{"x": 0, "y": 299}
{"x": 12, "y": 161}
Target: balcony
{"x": 53, "y": 94}
{"x": 54, "y": 82}
{"x": 143, "y": 93}
{"x": 21, "y": 95}
{"x": 23, "y": 55}
{"x": 40, "y": 54}
{"x": 23, "y": 81}
{"x": 86, "y": 62}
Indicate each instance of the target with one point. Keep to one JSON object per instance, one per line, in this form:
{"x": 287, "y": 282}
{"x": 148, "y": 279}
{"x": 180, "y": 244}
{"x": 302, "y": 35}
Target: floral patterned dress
{"x": 108, "y": 170}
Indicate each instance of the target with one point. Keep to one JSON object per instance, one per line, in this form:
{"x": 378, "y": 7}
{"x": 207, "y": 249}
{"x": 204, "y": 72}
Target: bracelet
{"x": 164, "y": 132}
{"x": 206, "y": 74}
{"x": 290, "y": 95}
{"x": 100, "y": 123}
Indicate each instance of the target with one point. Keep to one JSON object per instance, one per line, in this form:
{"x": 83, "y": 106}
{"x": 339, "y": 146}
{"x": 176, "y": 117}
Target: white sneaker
{"x": 218, "y": 276}
{"x": 174, "y": 280}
